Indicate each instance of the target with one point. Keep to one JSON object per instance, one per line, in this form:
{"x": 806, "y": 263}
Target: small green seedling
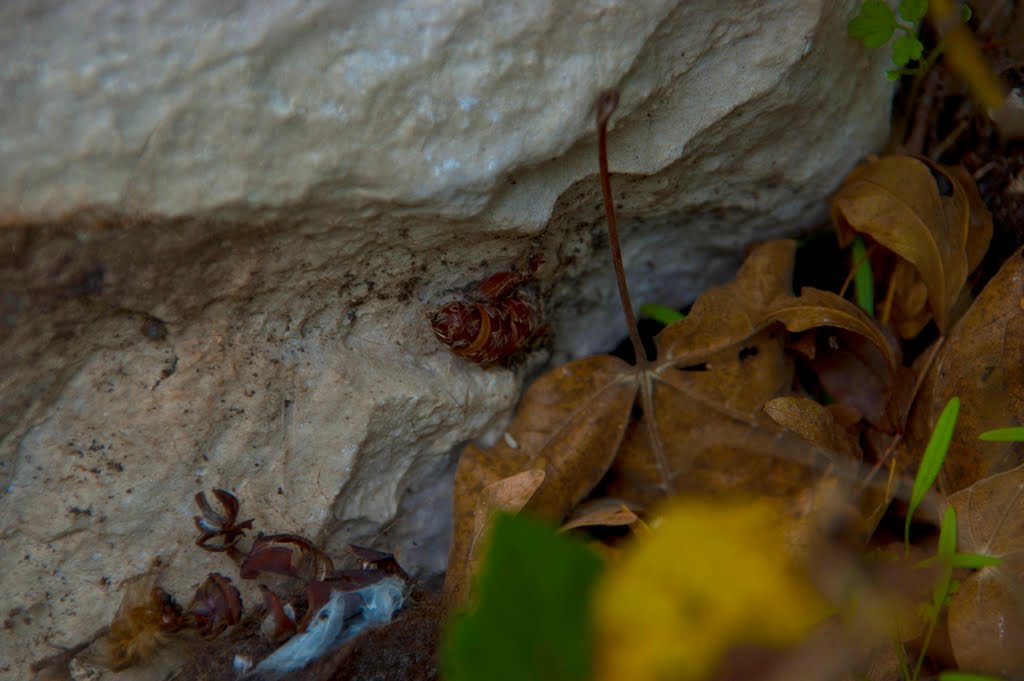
{"x": 931, "y": 463}
{"x": 968, "y": 561}
{"x": 863, "y": 279}
{"x": 945, "y": 584}
{"x": 966, "y": 676}
{"x": 661, "y": 314}
{"x": 876, "y": 23}
{"x": 1015, "y": 434}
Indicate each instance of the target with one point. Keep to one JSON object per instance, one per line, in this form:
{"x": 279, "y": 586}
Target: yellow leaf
{"x": 712, "y": 575}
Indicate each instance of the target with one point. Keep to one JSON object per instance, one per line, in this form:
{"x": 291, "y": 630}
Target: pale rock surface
{"x": 288, "y": 187}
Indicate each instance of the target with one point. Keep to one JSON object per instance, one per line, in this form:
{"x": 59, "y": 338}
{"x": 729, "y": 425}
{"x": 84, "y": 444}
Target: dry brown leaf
{"x": 814, "y": 423}
{"x": 986, "y": 614}
{"x": 854, "y": 359}
{"x": 808, "y": 419}
{"x": 509, "y": 494}
{"x": 703, "y": 426}
{"x": 980, "y": 362}
{"x": 979, "y": 229}
{"x": 899, "y": 203}
{"x": 702, "y": 423}
{"x": 569, "y": 425}
{"x": 607, "y": 511}
{"x": 815, "y": 308}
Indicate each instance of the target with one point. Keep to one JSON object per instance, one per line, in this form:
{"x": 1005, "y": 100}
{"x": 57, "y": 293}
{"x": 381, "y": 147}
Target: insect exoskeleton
{"x": 496, "y": 327}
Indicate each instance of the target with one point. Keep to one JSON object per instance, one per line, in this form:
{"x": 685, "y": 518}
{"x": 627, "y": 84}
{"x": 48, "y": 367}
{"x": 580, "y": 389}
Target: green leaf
{"x": 532, "y": 616}
{"x": 970, "y": 561}
{"x": 973, "y": 561}
{"x": 863, "y": 279}
{"x": 931, "y": 462}
{"x": 966, "y": 676}
{"x": 874, "y": 25}
{"x": 893, "y": 74}
{"x": 1015, "y": 434}
{"x": 906, "y": 48}
{"x": 946, "y": 550}
{"x": 947, "y": 535}
{"x": 913, "y": 10}
{"x": 965, "y": 16}
{"x": 660, "y": 313}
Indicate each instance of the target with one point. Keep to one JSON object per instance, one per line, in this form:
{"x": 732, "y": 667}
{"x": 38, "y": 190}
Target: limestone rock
{"x": 226, "y": 221}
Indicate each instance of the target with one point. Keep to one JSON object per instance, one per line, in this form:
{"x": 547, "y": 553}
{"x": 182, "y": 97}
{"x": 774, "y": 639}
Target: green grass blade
{"x": 966, "y": 676}
{"x": 863, "y": 279}
{"x": 931, "y": 463}
{"x": 661, "y": 313}
{"x": 947, "y": 535}
{"x": 1015, "y": 434}
{"x": 940, "y": 592}
{"x": 973, "y": 561}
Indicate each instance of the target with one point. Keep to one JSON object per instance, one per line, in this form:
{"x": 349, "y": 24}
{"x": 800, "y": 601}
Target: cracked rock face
{"x": 225, "y": 224}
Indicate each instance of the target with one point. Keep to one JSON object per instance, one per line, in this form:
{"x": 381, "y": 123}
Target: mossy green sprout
{"x": 876, "y": 23}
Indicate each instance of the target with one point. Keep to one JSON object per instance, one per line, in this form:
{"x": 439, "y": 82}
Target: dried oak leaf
{"x": 980, "y": 362}
{"x": 986, "y": 614}
{"x": 931, "y": 217}
{"x": 701, "y": 400}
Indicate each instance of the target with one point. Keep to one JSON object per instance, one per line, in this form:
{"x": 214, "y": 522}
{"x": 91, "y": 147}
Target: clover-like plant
{"x": 876, "y": 24}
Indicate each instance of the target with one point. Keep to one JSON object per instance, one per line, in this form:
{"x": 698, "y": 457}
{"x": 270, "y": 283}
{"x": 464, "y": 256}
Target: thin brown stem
{"x": 926, "y": 366}
{"x": 853, "y": 270}
{"x": 890, "y": 294}
{"x": 606, "y": 103}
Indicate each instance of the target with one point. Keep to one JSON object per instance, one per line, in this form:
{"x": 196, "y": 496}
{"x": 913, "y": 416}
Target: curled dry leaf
{"x": 286, "y": 554}
{"x": 923, "y": 213}
{"x": 215, "y": 606}
{"x": 701, "y": 401}
{"x": 372, "y": 559}
{"x": 508, "y": 494}
{"x": 215, "y": 525}
{"x": 980, "y": 362}
{"x": 986, "y": 614}
{"x": 813, "y": 422}
{"x": 855, "y": 361}
{"x": 608, "y": 512}
{"x": 569, "y": 425}
{"x": 279, "y": 623}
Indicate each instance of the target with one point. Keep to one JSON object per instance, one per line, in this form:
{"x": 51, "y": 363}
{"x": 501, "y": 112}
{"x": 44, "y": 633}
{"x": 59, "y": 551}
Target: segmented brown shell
{"x": 494, "y": 329}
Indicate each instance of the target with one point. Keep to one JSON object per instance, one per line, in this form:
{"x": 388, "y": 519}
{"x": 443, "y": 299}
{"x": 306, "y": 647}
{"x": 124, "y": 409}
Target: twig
{"x": 915, "y": 141}
{"x": 918, "y": 382}
{"x": 606, "y": 103}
